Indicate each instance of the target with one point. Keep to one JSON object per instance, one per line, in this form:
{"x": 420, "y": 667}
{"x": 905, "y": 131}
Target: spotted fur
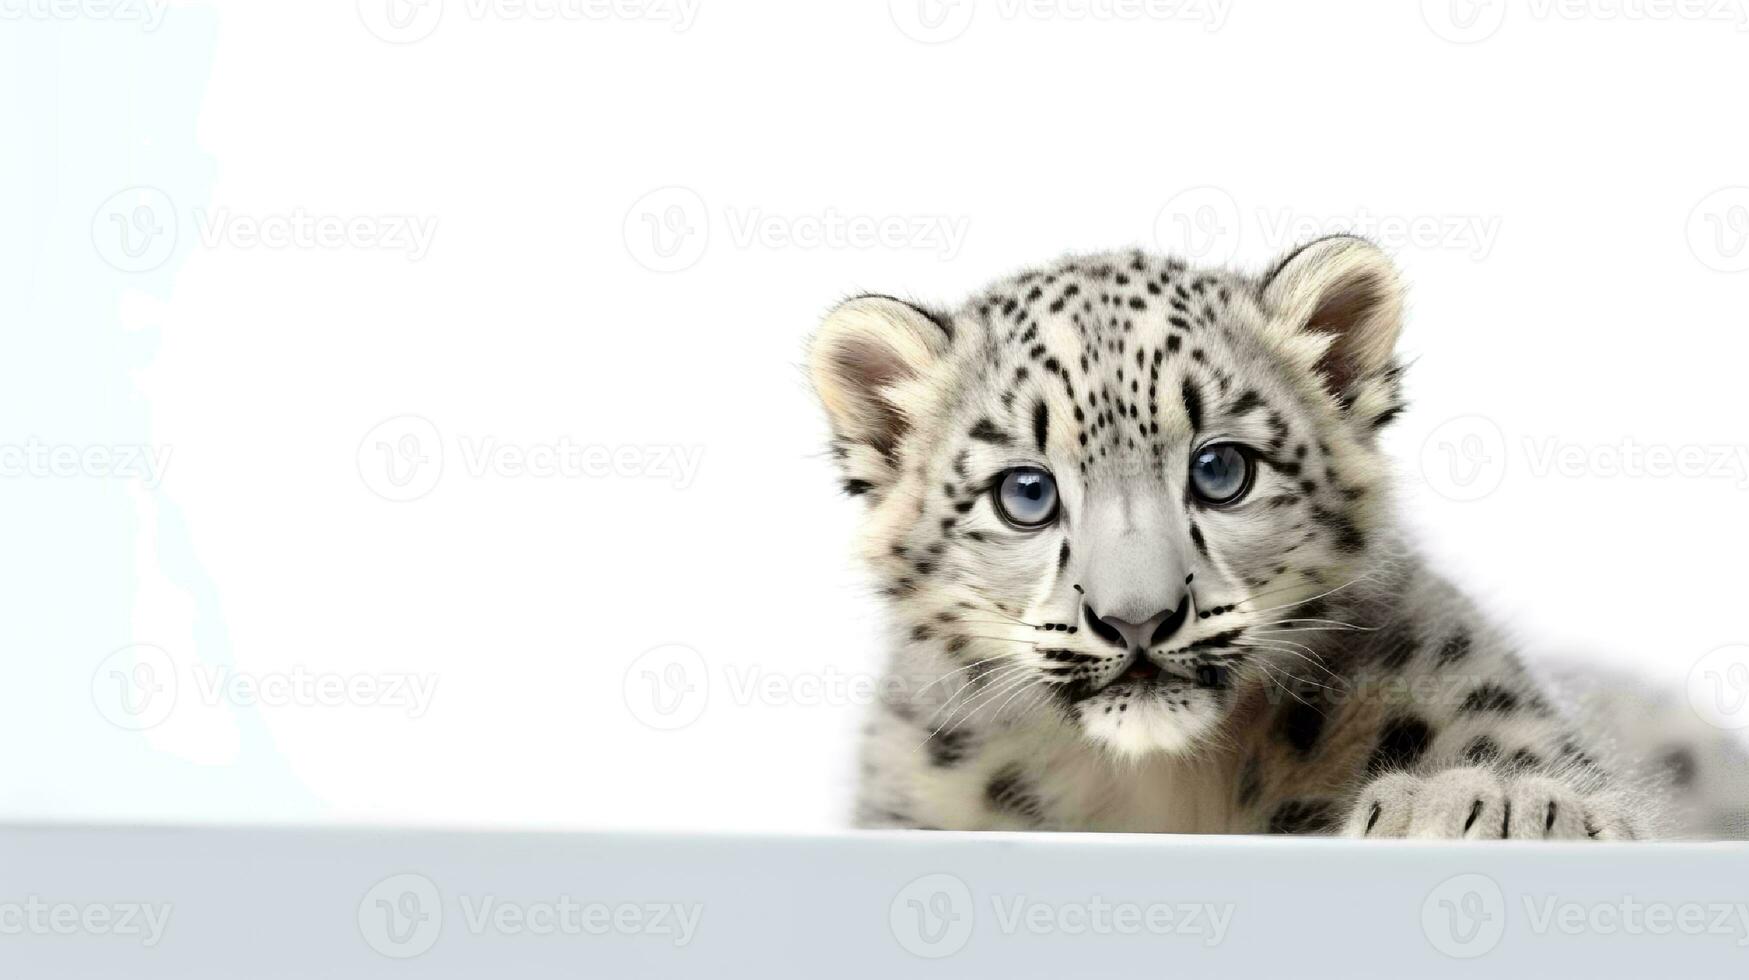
{"x": 1148, "y": 661}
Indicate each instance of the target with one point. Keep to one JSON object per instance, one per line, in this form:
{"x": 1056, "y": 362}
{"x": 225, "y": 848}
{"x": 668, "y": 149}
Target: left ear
{"x": 1341, "y": 300}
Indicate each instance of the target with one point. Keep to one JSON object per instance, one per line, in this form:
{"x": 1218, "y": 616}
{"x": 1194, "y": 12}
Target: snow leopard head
{"x": 1109, "y": 490}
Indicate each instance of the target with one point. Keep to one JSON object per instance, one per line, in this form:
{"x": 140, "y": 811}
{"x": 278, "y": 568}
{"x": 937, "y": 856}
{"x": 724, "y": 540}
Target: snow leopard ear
{"x": 1341, "y": 302}
{"x": 866, "y": 362}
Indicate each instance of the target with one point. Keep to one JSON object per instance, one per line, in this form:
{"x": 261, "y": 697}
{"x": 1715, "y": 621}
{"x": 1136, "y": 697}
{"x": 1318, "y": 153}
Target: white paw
{"x": 1481, "y": 804}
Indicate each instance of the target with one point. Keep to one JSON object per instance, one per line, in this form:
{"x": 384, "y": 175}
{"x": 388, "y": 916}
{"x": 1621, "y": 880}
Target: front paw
{"x": 1479, "y": 803}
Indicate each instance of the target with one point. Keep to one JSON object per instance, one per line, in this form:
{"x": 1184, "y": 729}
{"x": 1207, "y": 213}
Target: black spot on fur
{"x": 1009, "y": 792}
{"x": 1679, "y": 763}
{"x": 1192, "y": 404}
{"x": 1455, "y": 648}
{"x": 1402, "y": 744}
{"x": 986, "y": 431}
{"x": 1041, "y": 424}
{"x": 1525, "y": 759}
{"x": 1063, "y": 557}
{"x": 1489, "y": 698}
{"x": 950, "y": 748}
{"x": 1300, "y": 725}
{"x": 1302, "y": 817}
{"x": 856, "y": 488}
{"x": 1481, "y": 751}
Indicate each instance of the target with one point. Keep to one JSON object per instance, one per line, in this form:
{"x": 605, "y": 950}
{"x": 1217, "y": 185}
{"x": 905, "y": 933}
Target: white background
{"x": 632, "y": 216}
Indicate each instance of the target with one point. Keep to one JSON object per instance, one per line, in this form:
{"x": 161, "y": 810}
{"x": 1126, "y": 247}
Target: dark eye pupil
{"x": 1027, "y": 497}
{"x": 1219, "y": 473}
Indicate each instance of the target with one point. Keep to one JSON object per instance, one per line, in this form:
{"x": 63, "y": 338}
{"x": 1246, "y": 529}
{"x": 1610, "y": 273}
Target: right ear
{"x": 865, "y": 362}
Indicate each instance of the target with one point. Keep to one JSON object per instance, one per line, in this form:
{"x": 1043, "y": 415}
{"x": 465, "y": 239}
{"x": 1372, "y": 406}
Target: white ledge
{"x": 188, "y": 902}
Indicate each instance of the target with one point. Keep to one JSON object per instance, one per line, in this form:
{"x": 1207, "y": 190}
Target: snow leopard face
{"x": 1113, "y": 488}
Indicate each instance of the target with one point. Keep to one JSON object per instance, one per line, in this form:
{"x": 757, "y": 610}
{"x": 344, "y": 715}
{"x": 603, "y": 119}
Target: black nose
{"x": 1154, "y": 630}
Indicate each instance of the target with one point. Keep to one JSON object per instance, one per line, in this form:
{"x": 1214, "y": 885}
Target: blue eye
{"x": 1220, "y": 474}
{"x": 1027, "y": 497}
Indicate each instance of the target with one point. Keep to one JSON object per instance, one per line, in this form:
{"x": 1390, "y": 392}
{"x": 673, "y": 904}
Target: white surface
{"x": 501, "y": 284}
{"x": 273, "y": 903}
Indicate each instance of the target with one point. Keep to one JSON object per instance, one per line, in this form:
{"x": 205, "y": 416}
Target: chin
{"x": 1136, "y": 720}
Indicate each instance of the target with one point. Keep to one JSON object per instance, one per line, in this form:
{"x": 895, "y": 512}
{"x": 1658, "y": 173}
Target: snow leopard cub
{"x": 1134, "y": 533}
